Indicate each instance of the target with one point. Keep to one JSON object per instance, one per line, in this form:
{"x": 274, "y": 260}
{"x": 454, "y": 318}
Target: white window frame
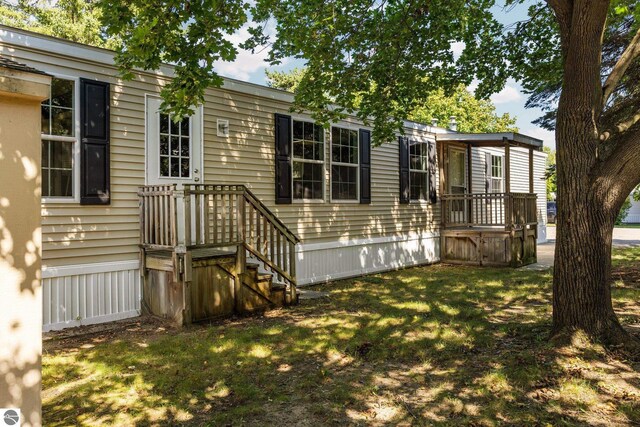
{"x": 494, "y": 178}
{"x": 426, "y": 172}
{"x": 75, "y": 160}
{"x": 356, "y": 165}
{"x": 196, "y": 135}
{"x": 323, "y": 162}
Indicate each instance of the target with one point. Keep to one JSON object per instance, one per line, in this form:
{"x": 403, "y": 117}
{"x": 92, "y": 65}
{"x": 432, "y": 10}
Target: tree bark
{"x": 588, "y": 201}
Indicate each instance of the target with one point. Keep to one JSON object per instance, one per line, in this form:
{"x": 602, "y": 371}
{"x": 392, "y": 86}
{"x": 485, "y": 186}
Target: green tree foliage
{"x": 472, "y": 115}
{"x": 75, "y": 20}
{"x": 190, "y": 35}
{"x": 536, "y": 59}
{"x": 388, "y": 56}
{"x": 624, "y": 211}
{"x": 550, "y": 174}
{"x": 285, "y": 80}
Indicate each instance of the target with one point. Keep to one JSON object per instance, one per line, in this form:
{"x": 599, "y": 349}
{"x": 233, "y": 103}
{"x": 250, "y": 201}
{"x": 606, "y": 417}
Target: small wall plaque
{"x": 223, "y": 128}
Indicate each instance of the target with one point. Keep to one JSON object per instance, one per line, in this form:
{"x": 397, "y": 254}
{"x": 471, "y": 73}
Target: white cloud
{"x": 246, "y": 63}
{"x": 508, "y": 94}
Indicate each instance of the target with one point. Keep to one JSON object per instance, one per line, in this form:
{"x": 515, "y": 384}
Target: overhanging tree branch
{"x": 622, "y": 167}
{"x": 628, "y": 56}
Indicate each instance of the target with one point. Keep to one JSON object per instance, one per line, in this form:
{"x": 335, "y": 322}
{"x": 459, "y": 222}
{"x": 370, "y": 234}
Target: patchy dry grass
{"x": 433, "y": 345}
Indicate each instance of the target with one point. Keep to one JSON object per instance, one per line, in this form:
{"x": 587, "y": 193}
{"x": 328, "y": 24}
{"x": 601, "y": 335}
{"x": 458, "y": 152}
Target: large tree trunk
{"x": 582, "y": 274}
{"x": 587, "y": 204}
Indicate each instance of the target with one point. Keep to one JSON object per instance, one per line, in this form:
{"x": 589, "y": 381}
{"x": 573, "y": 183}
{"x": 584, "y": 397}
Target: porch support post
{"x": 441, "y": 166}
{"x": 469, "y": 182}
{"x": 531, "y": 171}
{"x": 507, "y": 166}
{"x": 507, "y": 185}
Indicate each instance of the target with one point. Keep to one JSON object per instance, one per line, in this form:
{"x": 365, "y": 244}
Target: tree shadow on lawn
{"x": 431, "y": 345}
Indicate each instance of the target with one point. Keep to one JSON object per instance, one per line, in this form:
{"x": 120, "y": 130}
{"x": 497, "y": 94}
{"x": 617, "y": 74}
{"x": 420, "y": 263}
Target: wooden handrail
{"x": 215, "y": 216}
{"x": 259, "y": 205}
{"x": 489, "y": 209}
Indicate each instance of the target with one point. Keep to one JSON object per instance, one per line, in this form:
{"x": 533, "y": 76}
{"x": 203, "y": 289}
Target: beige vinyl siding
{"x": 75, "y": 234}
{"x": 247, "y": 157}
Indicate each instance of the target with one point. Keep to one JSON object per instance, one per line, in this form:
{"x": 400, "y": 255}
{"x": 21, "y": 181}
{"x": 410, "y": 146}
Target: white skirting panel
{"x": 542, "y": 233}
{"x": 321, "y": 262}
{"x": 632, "y": 219}
{"x": 90, "y": 293}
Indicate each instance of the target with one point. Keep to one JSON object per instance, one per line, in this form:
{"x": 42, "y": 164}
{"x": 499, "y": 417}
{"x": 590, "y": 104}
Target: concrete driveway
{"x": 622, "y": 238}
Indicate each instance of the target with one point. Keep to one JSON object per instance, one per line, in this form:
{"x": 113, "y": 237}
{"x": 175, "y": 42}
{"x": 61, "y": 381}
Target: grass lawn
{"x": 431, "y": 345}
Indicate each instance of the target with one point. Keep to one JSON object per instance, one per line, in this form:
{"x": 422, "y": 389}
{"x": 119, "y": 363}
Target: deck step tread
{"x": 211, "y": 253}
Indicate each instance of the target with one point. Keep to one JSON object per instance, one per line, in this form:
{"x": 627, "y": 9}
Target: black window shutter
{"x": 365, "y": 166}
{"x": 94, "y": 143}
{"x": 283, "y": 158}
{"x": 433, "y": 171}
{"x": 403, "y": 143}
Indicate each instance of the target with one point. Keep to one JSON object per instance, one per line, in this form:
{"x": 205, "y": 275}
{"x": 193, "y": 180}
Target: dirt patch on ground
{"x": 90, "y": 335}
{"x": 627, "y": 276}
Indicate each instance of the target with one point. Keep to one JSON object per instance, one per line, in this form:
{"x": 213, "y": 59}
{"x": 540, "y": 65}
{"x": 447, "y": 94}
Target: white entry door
{"x": 173, "y": 150}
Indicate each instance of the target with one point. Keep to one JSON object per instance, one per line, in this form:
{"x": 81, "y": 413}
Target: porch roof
{"x": 492, "y": 139}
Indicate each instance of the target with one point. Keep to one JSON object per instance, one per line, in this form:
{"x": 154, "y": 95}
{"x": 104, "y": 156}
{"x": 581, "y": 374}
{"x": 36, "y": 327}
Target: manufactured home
{"x": 143, "y": 212}
{"x": 633, "y": 216}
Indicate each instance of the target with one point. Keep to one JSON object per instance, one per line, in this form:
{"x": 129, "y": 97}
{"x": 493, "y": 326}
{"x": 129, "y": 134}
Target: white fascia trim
{"x": 80, "y": 269}
{"x": 54, "y": 46}
{"x": 344, "y": 243}
{"x": 50, "y": 45}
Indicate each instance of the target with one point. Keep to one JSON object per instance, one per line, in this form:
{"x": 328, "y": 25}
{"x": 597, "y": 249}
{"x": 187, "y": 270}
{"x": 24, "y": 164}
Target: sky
{"x": 251, "y": 67}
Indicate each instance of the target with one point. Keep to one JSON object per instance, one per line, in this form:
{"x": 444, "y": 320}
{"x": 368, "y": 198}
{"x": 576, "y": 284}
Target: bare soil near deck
{"x": 436, "y": 345}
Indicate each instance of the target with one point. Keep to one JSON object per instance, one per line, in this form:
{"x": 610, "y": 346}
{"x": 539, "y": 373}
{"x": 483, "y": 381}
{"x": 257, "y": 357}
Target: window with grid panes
{"x": 497, "y": 174}
{"x": 175, "y": 147}
{"x": 308, "y": 160}
{"x": 58, "y": 140}
{"x": 344, "y": 164}
{"x": 418, "y": 170}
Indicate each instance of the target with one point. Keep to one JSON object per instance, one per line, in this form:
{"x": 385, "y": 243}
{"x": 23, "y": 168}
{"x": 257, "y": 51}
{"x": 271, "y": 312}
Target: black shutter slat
{"x": 403, "y": 143}
{"x": 433, "y": 170}
{"x": 283, "y": 158}
{"x": 365, "y": 166}
{"x": 94, "y": 143}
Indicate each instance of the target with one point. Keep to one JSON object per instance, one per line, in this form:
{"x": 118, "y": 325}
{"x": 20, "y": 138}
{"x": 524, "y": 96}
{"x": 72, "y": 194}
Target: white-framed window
{"x": 497, "y": 174}
{"x": 308, "y": 160}
{"x": 60, "y": 141}
{"x": 344, "y": 163}
{"x": 175, "y": 147}
{"x": 418, "y": 170}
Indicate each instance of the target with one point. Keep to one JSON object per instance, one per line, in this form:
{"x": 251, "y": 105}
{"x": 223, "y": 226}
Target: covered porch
{"x": 496, "y": 226}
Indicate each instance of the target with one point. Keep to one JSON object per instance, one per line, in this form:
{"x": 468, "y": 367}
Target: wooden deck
{"x": 492, "y": 229}
{"x": 194, "y": 247}
{"x": 499, "y": 229}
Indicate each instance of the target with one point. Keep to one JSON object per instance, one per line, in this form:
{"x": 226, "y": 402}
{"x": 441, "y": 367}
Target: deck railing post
{"x": 187, "y": 215}
{"x": 172, "y": 215}
{"x": 292, "y": 271}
